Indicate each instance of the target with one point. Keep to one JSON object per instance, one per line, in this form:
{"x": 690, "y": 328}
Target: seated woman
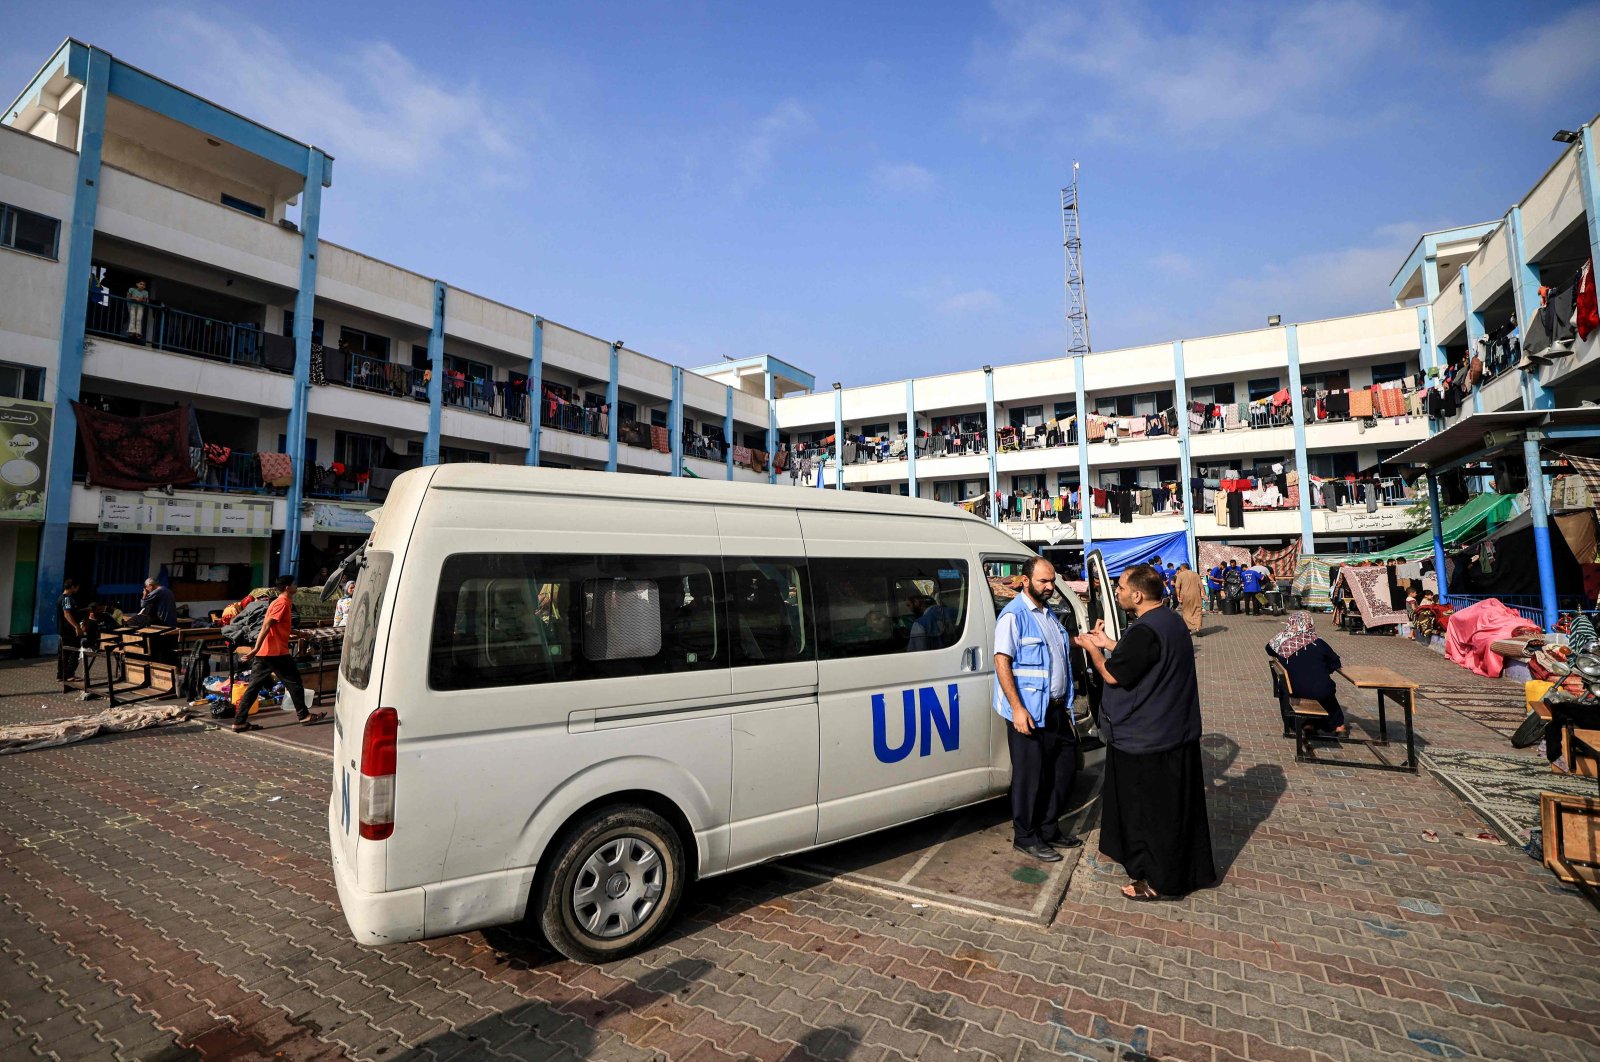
{"x": 1310, "y": 662}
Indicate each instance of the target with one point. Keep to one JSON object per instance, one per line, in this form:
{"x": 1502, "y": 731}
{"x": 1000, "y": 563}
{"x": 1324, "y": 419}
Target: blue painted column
{"x": 1439, "y": 573}
{"x": 838, "y": 437}
{"x": 305, "y": 303}
{"x": 1180, "y": 384}
{"x": 727, "y": 435}
{"x": 1475, "y": 330}
{"x": 675, "y": 421}
{"x": 1308, "y": 540}
{"x": 1434, "y": 352}
{"x": 1085, "y": 499}
{"x": 1589, "y": 183}
{"x": 1525, "y": 285}
{"x": 616, "y": 412}
{"x": 911, "y": 438}
{"x": 988, "y": 422}
{"x": 535, "y": 392}
{"x": 69, "y": 372}
{"x": 430, "y": 447}
{"x": 772, "y": 430}
{"x": 1539, "y": 509}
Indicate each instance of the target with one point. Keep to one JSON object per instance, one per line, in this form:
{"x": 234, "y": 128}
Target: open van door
{"x": 1102, "y": 596}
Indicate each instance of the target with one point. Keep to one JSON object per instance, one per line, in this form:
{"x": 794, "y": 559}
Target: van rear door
{"x": 1102, "y": 596}
{"x": 357, "y": 696}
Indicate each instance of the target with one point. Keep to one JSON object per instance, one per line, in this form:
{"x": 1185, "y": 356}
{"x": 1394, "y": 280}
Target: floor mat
{"x": 1499, "y": 709}
{"x": 1503, "y": 789}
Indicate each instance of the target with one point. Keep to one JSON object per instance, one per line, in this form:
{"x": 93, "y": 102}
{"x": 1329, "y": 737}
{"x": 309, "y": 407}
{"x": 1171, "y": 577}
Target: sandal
{"x": 313, "y": 718}
{"x": 246, "y": 728}
{"x": 1140, "y": 891}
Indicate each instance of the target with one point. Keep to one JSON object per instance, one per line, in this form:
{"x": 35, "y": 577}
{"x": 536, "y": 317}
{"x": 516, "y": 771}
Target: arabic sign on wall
{"x": 145, "y": 514}
{"x": 344, "y": 519}
{"x": 24, "y": 457}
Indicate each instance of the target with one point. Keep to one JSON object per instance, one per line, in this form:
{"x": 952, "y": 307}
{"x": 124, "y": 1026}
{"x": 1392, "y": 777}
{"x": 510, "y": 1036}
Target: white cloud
{"x": 756, "y": 154}
{"x": 1132, "y": 72}
{"x": 976, "y": 300}
{"x": 1541, "y": 63}
{"x": 1173, "y": 263}
{"x": 903, "y": 177}
{"x": 367, "y": 104}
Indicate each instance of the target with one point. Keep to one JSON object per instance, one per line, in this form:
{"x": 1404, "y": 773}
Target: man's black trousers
{"x": 262, "y": 670}
{"x": 1043, "y": 766}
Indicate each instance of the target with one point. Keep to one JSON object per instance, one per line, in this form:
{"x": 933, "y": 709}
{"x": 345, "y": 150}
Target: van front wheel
{"x": 615, "y": 882}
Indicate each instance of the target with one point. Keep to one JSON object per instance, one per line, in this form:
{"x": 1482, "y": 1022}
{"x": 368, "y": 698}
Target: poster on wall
{"x": 342, "y": 519}
{"x": 24, "y": 457}
{"x": 144, "y": 514}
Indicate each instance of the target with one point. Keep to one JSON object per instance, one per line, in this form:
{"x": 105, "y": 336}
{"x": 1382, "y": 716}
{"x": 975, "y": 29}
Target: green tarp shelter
{"x": 1482, "y": 514}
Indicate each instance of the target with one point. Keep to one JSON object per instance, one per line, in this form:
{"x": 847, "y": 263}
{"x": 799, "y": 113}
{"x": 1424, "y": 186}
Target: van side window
{"x": 769, "y": 610}
{"x": 1006, "y": 581}
{"x": 877, "y": 607}
{"x": 514, "y": 619}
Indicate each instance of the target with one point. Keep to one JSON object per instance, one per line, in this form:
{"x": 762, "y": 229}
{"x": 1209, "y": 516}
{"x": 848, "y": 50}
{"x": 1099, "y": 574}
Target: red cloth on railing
{"x": 132, "y": 453}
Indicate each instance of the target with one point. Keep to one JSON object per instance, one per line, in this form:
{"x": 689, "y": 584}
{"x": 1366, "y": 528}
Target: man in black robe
{"x": 1153, "y": 819}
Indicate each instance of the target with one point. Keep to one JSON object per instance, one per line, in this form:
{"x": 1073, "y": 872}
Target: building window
{"x": 1333, "y": 466}
{"x": 1139, "y": 405}
{"x": 316, "y": 327}
{"x": 874, "y": 430}
{"x": 755, "y": 440}
{"x": 1382, "y": 374}
{"x": 23, "y": 230}
{"x": 1337, "y": 380}
{"x": 359, "y": 452}
{"x": 1219, "y": 394}
{"x": 1265, "y": 387}
{"x": 356, "y": 341}
{"x": 21, "y": 381}
{"x": 244, "y": 207}
{"x": 1030, "y": 482}
{"x": 1027, "y": 416}
{"x": 658, "y": 418}
{"x": 456, "y": 455}
{"x": 1066, "y": 409}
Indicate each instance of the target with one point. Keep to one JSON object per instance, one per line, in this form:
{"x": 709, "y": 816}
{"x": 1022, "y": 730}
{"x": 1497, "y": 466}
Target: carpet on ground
{"x": 1503, "y": 788}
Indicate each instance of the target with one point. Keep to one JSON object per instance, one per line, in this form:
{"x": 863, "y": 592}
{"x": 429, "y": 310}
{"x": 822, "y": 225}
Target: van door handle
{"x": 969, "y": 659}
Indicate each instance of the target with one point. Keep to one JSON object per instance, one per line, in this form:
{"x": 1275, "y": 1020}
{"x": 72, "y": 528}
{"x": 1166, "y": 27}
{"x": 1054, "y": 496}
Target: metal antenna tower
{"x": 1077, "y": 295}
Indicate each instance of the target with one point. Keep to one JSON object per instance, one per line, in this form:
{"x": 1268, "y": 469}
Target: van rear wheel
{"x": 616, "y": 880}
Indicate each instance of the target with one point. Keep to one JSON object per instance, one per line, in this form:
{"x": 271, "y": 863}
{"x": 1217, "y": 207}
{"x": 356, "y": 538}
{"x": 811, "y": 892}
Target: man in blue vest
{"x": 1033, "y": 693}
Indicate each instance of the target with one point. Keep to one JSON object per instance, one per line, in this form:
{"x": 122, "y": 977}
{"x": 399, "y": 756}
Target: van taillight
{"x": 377, "y": 774}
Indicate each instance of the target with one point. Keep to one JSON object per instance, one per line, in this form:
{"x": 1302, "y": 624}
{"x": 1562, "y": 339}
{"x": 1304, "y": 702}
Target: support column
{"x": 675, "y": 421}
{"x": 1525, "y": 286}
{"x": 1539, "y": 509}
{"x": 430, "y": 447}
{"x": 612, "y": 420}
{"x": 1434, "y": 353}
{"x": 535, "y": 392}
{"x": 1085, "y": 498}
{"x": 727, "y": 435}
{"x": 305, "y": 303}
{"x": 838, "y": 437}
{"x": 1589, "y": 181}
{"x": 1475, "y": 330}
{"x": 911, "y": 438}
{"x": 1437, "y": 524}
{"x": 68, "y": 380}
{"x": 772, "y": 430}
{"x": 1297, "y": 405}
{"x": 988, "y": 420}
{"x": 1180, "y": 385}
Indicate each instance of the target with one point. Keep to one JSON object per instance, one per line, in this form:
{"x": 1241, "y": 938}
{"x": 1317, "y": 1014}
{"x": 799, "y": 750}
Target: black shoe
{"x": 1042, "y": 852}
{"x": 1067, "y": 843}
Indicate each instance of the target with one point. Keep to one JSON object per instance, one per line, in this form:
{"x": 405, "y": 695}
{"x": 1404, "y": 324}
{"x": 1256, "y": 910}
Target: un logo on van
{"x": 932, "y": 717}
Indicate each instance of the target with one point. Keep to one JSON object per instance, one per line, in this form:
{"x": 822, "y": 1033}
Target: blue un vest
{"x": 1031, "y": 666}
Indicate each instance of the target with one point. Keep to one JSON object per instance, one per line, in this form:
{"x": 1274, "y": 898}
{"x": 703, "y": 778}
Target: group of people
{"x": 1153, "y": 818}
{"x": 1224, "y": 579}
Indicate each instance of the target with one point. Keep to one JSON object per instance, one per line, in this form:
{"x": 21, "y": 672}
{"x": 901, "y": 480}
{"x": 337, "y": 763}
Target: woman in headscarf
{"x": 341, "y": 611}
{"x": 1310, "y": 662}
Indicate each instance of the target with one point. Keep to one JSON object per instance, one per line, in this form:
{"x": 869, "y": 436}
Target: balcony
{"x": 175, "y": 331}
{"x": 239, "y": 472}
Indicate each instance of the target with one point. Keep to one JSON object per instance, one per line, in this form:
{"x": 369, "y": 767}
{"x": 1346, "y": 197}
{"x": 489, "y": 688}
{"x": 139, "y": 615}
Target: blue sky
{"x": 871, "y": 191}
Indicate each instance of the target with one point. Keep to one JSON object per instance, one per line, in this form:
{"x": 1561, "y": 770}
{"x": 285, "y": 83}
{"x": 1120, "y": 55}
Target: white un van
{"x": 565, "y": 694}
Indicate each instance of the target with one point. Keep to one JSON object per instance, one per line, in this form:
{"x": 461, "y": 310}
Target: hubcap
{"x": 618, "y": 886}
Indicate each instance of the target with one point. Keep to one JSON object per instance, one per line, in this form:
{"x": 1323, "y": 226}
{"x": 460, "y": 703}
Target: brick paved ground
{"x": 166, "y": 894}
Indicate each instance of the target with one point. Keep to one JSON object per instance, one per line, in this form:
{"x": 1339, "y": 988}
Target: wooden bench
{"x": 1571, "y": 834}
{"x": 1305, "y": 712}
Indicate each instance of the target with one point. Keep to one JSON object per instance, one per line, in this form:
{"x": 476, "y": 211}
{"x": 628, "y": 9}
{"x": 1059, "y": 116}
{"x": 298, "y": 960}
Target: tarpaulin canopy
{"x": 1121, "y": 553}
{"x": 1482, "y": 513}
{"x": 1311, "y": 582}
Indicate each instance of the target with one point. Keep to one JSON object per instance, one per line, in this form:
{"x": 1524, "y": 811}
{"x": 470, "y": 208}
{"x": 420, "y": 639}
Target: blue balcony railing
{"x": 179, "y": 332}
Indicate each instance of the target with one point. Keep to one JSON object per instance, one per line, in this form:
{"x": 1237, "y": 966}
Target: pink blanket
{"x": 1473, "y": 629}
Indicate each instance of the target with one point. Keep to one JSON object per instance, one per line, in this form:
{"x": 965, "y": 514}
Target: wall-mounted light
{"x": 988, "y": 368}
{"x": 1274, "y": 320}
{"x": 837, "y": 385}
{"x": 1565, "y": 136}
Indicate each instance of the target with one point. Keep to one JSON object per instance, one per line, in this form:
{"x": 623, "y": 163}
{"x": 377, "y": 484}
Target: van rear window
{"x": 361, "y": 634}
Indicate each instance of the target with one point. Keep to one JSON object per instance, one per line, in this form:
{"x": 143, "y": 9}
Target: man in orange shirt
{"x": 270, "y": 658}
